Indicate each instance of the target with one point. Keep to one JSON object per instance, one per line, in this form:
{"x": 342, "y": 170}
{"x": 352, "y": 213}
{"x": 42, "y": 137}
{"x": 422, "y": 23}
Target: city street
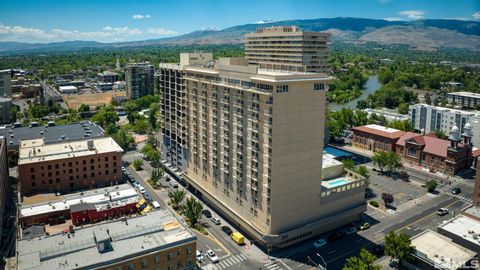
{"x": 412, "y": 216}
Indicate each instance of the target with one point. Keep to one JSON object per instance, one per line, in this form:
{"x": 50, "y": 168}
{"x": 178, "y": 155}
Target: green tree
{"x": 176, "y": 197}
{"x": 83, "y": 108}
{"x": 106, "y": 116}
{"x": 130, "y": 108}
{"x": 431, "y": 185}
{"x": 393, "y": 161}
{"x": 398, "y": 246}
{"x": 137, "y": 164}
{"x": 141, "y": 126}
{"x": 193, "y": 210}
{"x": 440, "y": 134}
{"x": 403, "y": 125}
{"x": 365, "y": 261}
{"x": 363, "y": 171}
{"x": 123, "y": 139}
{"x": 402, "y": 108}
{"x": 13, "y": 114}
{"x": 156, "y": 175}
{"x": 348, "y": 164}
{"x": 152, "y": 115}
{"x": 380, "y": 159}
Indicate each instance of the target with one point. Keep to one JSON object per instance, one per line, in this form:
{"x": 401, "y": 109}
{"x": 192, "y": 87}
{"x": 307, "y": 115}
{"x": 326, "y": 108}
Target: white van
{"x": 142, "y": 189}
{"x": 156, "y": 204}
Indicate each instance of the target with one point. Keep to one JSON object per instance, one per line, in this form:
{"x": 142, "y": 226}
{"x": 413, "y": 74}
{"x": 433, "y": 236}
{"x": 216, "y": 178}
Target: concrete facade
{"x": 139, "y": 80}
{"x": 288, "y": 48}
{"x": 256, "y": 144}
{"x": 432, "y": 118}
{"x": 5, "y": 107}
{"x": 6, "y": 83}
{"x": 173, "y": 143}
{"x": 4, "y": 180}
{"x": 69, "y": 166}
{"x": 476, "y": 188}
{"x": 464, "y": 99}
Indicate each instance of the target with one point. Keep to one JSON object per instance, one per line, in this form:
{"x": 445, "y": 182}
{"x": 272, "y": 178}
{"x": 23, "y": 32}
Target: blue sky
{"x": 124, "y": 20}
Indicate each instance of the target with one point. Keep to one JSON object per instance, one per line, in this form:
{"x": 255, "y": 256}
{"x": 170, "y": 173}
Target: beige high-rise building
{"x": 248, "y": 137}
{"x": 256, "y": 145}
{"x": 288, "y": 48}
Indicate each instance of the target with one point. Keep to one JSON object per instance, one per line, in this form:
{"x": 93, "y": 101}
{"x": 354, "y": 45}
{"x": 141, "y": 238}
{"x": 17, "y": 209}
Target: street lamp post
{"x": 324, "y": 262}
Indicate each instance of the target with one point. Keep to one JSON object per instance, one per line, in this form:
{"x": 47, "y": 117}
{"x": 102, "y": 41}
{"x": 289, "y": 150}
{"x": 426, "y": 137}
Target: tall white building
{"x": 432, "y": 118}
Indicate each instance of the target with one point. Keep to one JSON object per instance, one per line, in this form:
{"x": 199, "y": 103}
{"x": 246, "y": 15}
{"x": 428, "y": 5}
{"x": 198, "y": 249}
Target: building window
{"x": 130, "y": 266}
{"x": 319, "y": 86}
{"x": 282, "y": 88}
{"x": 157, "y": 259}
{"x": 412, "y": 151}
{"x": 170, "y": 256}
{"x": 32, "y": 169}
{"x": 143, "y": 263}
{"x": 49, "y": 167}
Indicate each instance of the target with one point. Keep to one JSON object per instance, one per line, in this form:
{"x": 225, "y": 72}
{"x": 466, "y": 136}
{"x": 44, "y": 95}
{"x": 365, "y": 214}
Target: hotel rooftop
{"x": 36, "y": 150}
{"x": 103, "y": 244}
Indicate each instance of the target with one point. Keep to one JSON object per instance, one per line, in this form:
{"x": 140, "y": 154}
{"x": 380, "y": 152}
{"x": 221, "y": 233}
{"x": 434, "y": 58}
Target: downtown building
{"x": 428, "y": 118}
{"x": 68, "y": 166}
{"x": 254, "y": 149}
{"x": 139, "y": 80}
{"x": 288, "y": 48}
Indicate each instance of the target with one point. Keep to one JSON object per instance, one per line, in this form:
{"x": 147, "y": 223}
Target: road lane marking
{"x": 358, "y": 240}
{"x": 331, "y": 251}
{"x": 284, "y": 264}
{"x": 425, "y": 217}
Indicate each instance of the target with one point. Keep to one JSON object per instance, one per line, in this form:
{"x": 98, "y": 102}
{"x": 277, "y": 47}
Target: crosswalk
{"x": 226, "y": 263}
{"x": 273, "y": 265}
{"x": 377, "y": 215}
{"x": 459, "y": 196}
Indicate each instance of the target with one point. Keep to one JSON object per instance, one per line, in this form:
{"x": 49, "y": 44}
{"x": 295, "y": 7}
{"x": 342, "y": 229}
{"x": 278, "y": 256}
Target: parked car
{"x": 147, "y": 197}
{"x": 319, "y": 243}
{"x": 124, "y": 169}
{"x": 335, "y": 236}
{"x": 207, "y": 213}
{"x": 216, "y": 220}
{"x": 142, "y": 189}
{"x": 350, "y": 230}
{"x": 174, "y": 184}
{"x": 212, "y": 256}
{"x": 227, "y": 230}
{"x": 365, "y": 226}
{"x": 456, "y": 190}
{"x": 442, "y": 211}
{"x": 200, "y": 257}
{"x": 377, "y": 250}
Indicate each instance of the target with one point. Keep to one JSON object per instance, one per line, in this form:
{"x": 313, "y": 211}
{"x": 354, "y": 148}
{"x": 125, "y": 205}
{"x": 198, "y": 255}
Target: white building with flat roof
{"x": 389, "y": 115}
{"x": 68, "y": 89}
{"x": 463, "y": 230}
{"x": 464, "y": 99}
{"x": 435, "y": 251}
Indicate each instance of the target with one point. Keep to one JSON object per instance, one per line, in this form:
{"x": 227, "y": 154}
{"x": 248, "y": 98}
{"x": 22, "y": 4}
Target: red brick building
{"x": 375, "y": 138}
{"x": 83, "y": 207}
{"x": 428, "y": 151}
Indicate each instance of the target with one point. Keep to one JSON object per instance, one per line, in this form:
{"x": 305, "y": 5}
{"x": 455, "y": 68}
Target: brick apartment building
{"x": 68, "y": 166}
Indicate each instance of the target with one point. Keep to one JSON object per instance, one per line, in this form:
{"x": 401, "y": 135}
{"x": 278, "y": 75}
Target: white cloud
{"x": 160, "y": 31}
{"x": 384, "y": 1}
{"x": 476, "y": 15}
{"x": 140, "y": 17}
{"x": 413, "y": 14}
{"x": 106, "y": 34}
{"x": 393, "y": 19}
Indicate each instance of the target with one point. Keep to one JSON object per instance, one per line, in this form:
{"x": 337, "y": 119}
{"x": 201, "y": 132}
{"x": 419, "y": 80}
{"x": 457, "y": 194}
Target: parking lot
{"x": 402, "y": 191}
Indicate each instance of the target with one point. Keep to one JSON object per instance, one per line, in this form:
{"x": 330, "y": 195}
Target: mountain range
{"x": 431, "y": 34}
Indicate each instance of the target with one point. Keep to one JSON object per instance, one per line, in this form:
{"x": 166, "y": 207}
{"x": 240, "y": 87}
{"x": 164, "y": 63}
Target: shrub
{"x": 374, "y": 203}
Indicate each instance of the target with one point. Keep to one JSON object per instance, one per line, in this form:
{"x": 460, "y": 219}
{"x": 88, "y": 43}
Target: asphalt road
{"x": 419, "y": 217}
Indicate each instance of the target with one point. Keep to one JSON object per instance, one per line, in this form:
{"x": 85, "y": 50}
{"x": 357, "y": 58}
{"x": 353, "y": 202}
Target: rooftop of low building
{"x": 128, "y": 238}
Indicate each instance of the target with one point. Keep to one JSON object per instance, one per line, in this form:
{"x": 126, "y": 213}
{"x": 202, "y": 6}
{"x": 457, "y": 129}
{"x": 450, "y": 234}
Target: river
{"x": 371, "y": 86}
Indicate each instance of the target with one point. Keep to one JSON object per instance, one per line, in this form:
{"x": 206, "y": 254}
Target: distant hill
{"x": 421, "y": 34}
